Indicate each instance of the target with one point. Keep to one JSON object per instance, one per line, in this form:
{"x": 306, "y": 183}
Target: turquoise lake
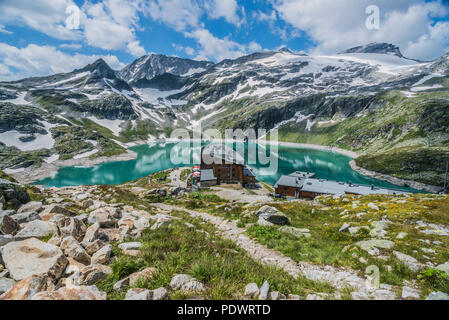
{"x": 150, "y": 159}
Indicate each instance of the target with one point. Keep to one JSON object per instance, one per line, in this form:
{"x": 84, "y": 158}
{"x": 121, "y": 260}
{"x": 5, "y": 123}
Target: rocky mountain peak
{"x": 100, "y": 68}
{"x": 379, "y": 48}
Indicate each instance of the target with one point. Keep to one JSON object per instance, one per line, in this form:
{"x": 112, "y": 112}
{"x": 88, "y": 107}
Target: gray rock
{"x": 103, "y": 216}
{"x": 314, "y": 297}
{"x": 122, "y": 284}
{"x": 438, "y": 296}
{"x": 103, "y": 255}
{"x": 409, "y": 261}
{"x": 272, "y": 215}
{"x": 91, "y": 234}
{"x": 8, "y": 225}
{"x": 4, "y": 239}
{"x": 71, "y": 227}
{"x": 32, "y": 206}
{"x": 276, "y": 295}
{"x": 345, "y": 227}
{"x": 6, "y": 284}
{"x": 57, "y": 209}
{"x": 33, "y": 257}
{"x": 73, "y": 249}
{"x": 90, "y": 293}
{"x": 408, "y": 292}
{"x": 138, "y": 294}
{"x": 193, "y": 286}
{"x": 293, "y": 297}
{"x": 264, "y": 290}
{"x": 251, "y": 290}
{"x": 93, "y": 247}
{"x": 401, "y": 235}
{"x": 444, "y": 267}
{"x": 179, "y": 280}
{"x": 160, "y": 294}
{"x": 297, "y": 232}
{"x": 264, "y": 223}
{"x": 37, "y": 229}
{"x": 92, "y": 274}
{"x": 372, "y": 245}
{"x": 130, "y": 245}
{"x": 26, "y": 217}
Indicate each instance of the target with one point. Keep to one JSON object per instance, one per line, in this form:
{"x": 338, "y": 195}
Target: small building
{"x": 222, "y": 164}
{"x": 293, "y": 186}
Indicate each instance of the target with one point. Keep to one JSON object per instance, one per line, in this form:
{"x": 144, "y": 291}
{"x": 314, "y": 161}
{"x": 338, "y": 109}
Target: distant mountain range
{"x": 360, "y": 99}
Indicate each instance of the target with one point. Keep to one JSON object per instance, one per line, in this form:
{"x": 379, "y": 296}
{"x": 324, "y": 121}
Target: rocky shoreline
{"x": 30, "y": 175}
{"x": 394, "y": 180}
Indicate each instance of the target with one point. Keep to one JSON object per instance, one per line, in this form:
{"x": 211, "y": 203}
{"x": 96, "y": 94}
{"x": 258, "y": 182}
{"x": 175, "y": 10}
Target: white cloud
{"x": 337, "y": 25}
{"x": 178, "y": 14}
{"x": 46, "y": 16}
{"x": 227, "y": 9}
{"x": 135, "y": 49}
{"x": 71, "y": 46}
{"x": 34, "y": 60}
{"x": 213, "y": 48}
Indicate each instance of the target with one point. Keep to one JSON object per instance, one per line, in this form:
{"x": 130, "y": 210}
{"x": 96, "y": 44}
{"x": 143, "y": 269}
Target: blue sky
{"x": 36, "y": 37}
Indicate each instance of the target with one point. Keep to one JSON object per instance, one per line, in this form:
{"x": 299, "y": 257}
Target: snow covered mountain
{"x": 156, "y": 93}
{"x": 150, "y": 66}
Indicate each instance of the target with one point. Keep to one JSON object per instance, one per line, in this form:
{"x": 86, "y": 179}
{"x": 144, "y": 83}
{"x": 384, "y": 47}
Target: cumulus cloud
{"x": 227, "y": 9}
{"x": 46, "y": 16}
{"x": 178, "y": 14}
{"x": 337, "y": 25}
{"x": 213, "y": 48}
{"x": 34, "y": 60}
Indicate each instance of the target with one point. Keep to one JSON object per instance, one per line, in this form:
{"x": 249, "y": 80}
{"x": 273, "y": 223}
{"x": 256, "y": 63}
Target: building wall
{"x": 286, "y": 191}
{"x": 228, "y": 172}
{"x": 308, "y": 195}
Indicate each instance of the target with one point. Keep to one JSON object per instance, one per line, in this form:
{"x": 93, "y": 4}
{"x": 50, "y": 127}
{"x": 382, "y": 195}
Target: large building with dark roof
{"x": 305, "y": 185}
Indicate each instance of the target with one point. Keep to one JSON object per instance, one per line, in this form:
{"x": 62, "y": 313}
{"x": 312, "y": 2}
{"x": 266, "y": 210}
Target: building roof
{"x": 302, "y": 175}
{"x": 289, "y": 181}
{"x": 220, "y": 152}
{"x": 338, "y": 188}
{"x": 207, "y": 175}
{"x": 247, "y": 172}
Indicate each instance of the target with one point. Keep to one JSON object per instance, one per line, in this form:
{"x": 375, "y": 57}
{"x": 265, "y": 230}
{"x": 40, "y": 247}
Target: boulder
{"x": 138, "y": 294}
{"x": 92, "y": 274}
{"x": 160, "y": 294}
{"x": 26, "y": 217}
{"x": 276, "y": 295}
{"x": 130, "y": 245}
{"x": 122, "y": 284}
{"x": 71, "y": 227}
{"x": 103, "y": 216}
{"x": 297, "y": 232}
{"x": 37, "y": 229}
{"x": 72, "y": 293}
{"x": 264, "y": 290}
{"x": 408, "y": 292}
{"x": 91, "y": 234}
{"x": 437, "y": 295}
{"x": 27, "y": 288}
{"x": 33, "y": 257}
{"x": 103, "y": 255}
{"x": 179, "y": 280}
{"x": 93, "y": 247}
{"x": 14, "y": 193}
{"x": 251, "y": 290}
{"x": 32, "y": 206}
{"x": 345, "y": 227}
{"x": 409, "y": 261}
{"x": 73, "y": 249}
{"x": 272, "y": 215}
{"x": 444, "y": 267}
{"x": 73, "y": 267}
{"x": 8, "y": 225}
{"x": 4, "y": 239}
{"x": 193, "y": 286}
{"x": 6, "y": 284}
{"x": 57, "y": 209}
{"x": 145, "y": 274}
{"x": 371, "y": 246}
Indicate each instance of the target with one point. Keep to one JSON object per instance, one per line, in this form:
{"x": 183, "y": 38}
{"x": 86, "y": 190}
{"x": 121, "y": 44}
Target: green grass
{"x": 223, "y": 267}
